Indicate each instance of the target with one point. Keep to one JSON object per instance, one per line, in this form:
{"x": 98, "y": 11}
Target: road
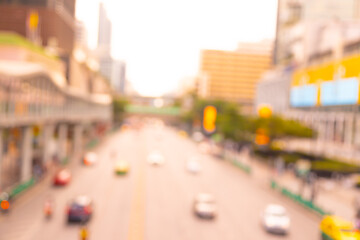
{"x": 155, "y": 203}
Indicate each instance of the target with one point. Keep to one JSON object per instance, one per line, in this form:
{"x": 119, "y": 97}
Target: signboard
{"x": 329, "y": 84}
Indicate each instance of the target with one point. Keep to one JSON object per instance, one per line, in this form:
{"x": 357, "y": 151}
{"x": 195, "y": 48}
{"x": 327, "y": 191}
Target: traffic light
{"x": 209, "y": 119}
{"x": 264, "y": 111}
{"x": 261, "y": 137}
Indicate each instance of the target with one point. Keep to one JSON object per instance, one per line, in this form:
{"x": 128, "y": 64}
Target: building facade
{"x": 233, "y": 75}
{"x": 273, "y": 90}
{"x": 298, "y": 20}
{"x": 118, "y": 77}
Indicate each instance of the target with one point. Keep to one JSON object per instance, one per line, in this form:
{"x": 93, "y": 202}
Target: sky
{"x": 161, "y": 40}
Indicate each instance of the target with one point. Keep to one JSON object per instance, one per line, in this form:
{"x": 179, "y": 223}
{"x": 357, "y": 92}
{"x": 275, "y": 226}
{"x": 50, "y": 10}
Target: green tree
{"x": 278, "y": 127}
{"x": 119, "y": 105}
{"x": 233, "y": 125}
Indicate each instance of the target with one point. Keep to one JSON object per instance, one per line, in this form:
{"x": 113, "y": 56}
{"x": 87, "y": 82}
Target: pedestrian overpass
{"x": 169, "y": 114}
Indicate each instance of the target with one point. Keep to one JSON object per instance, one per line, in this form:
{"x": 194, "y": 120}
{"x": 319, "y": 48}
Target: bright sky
{"x": 161, "y": 40}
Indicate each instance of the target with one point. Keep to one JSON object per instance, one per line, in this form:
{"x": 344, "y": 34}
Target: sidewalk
{"x": 334, "y": 197}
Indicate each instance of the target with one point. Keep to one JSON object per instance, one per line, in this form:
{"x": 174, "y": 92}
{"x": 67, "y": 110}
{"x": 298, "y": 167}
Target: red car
{"x": 62, "y": 177}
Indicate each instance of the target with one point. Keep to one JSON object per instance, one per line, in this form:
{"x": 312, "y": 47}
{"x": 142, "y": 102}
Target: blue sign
{"x": 339, "y": 92}
{"x": 303, "y": 96}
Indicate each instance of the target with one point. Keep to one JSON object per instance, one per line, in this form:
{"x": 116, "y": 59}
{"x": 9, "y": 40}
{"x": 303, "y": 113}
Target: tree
{"x": 119, "y": 105}
{"x": 277, "y": 127}
{"x": 232, "y": 125}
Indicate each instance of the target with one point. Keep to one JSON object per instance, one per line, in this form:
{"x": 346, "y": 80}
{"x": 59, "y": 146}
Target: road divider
{"x": 298, "y": 198}
{"x": 21, "y": 187}
{"x": 244, "y": 167}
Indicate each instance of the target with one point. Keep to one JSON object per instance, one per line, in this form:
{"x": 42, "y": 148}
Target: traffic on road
{"x": 178, "y": 203}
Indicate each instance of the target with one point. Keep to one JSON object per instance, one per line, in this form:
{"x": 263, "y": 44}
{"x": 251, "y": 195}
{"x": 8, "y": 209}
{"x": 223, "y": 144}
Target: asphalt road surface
{"x": 154, "y": 202}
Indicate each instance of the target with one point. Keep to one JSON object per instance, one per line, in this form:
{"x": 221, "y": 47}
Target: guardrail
{"x": 298, "y": 198}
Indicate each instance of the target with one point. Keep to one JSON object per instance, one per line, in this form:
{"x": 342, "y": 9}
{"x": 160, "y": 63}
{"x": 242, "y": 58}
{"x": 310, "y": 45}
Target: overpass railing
{"x": 35, "y": 97}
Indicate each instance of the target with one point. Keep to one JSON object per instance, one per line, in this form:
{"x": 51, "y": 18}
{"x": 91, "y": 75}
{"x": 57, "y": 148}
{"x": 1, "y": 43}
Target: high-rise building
{"x": 105, "y": 28}
{"x": 232, "y": 75}
{"x": 113, "y": 70}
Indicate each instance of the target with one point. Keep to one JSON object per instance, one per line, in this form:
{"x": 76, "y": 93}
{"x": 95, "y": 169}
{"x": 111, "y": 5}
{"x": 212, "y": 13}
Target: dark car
{"x": 80, "y": 209}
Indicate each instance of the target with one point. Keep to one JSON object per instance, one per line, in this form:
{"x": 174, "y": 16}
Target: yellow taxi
{"x": 122, "y": 167}
{"x": 182, "y": 133}
{"x": 336, "y": 228}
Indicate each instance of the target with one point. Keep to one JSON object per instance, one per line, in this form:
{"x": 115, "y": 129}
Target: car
{"x": 275, "y": 219}
{"x": 197, "y": 137}
{"x": 156, "y": 158}
{"x": 183, "y": 134}
{"x": 205, "y": 206}
{"x": 193, "y": 165}
{"x": 62, "y": 177}
{"x": 90, "y": 158}
{"x": 80, "y": 209}
{"x": 335, "y": 227}
{"x": 121, "y": 167}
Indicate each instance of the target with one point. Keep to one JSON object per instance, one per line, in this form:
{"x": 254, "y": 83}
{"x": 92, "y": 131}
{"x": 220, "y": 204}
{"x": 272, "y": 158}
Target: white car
{"x": 193, "y": 165}
{"x": 156, "y": 158}
{"x": 90, "y": 158}
{"x": 275, "y": 219}
{"x": 205, "y": 206}
{"x": 198, "y": 136}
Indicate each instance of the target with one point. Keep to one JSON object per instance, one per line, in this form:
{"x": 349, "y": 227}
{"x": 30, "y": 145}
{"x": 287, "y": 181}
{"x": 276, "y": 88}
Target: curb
{"x": 298, "y": 199}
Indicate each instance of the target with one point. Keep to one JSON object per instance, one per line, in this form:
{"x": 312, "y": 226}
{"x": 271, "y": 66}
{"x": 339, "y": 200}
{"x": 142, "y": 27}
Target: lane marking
{"x": 137, "y": 210}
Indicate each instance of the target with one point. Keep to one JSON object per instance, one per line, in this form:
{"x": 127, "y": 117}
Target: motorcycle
{"x": 48, "y": 209}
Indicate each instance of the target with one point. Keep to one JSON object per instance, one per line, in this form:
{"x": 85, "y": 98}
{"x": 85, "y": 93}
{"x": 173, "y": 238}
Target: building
{"x": 297, "y": 20}
{"x": 320, "y": 42}
{"x": 81, "y": 34}
{"x": 118, "y": 78}
{"x": 48, "y": 23}
{"x": 104, "y": 43}
{"x": 273, "y": 90}
{"x": 232, "y": 75}
{"x": 113, "y": 70}
{"x": 105, "y": 29}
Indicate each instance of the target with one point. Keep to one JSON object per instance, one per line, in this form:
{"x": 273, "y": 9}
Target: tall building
{"x": 232, "y": 75}
{"x": 105, "y": 29}
{"x": 113, "y": 70}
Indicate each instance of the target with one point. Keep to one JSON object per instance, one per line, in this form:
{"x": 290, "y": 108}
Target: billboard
{"x": 329, "y": 84}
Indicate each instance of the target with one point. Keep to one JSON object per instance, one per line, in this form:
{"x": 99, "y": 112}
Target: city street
{"x": 154, "y": 202}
